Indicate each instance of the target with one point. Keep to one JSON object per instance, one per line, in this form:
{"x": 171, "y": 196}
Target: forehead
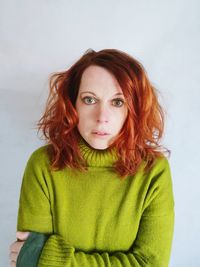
{"x": 96, "y": 77}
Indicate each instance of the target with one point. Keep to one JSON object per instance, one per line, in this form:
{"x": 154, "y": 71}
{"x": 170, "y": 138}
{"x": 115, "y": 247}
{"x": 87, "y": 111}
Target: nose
{"x": 102, "y": 114}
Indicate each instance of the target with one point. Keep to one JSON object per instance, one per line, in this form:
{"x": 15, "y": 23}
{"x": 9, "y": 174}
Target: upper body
{"x": 101, "y": 187}
{"x": 98, "y": 212}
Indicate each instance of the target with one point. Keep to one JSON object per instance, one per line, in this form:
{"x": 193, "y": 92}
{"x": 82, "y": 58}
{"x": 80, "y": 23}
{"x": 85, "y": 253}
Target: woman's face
{"x": 101, "y": 107}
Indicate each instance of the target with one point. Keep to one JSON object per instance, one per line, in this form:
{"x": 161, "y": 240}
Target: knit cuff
{"x": 56, "y": 252}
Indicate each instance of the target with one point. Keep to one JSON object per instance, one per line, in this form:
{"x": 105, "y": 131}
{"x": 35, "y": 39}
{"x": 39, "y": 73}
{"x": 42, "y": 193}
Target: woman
{"x": 99, "y": 193}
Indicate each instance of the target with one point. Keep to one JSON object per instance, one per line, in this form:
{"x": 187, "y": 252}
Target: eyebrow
{"x": 96, "y": 95}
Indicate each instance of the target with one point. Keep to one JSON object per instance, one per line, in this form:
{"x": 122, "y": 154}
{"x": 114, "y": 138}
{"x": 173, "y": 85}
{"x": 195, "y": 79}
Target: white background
{"x": 40, "y": 37}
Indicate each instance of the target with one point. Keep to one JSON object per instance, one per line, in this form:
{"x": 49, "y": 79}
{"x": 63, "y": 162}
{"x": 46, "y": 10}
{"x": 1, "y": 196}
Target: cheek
{"x": 120, "y": 121}
{"x": 120, "y": 117}
{"x": 83, "y": 114}
{"x": 84, "y": 118}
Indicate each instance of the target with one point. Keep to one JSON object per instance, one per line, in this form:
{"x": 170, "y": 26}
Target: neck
{"x": 97, "y": 157}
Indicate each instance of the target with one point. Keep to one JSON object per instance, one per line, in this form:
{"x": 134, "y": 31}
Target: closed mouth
{"x": 100, "y": 133}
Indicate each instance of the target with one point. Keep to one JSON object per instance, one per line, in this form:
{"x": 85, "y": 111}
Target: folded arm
{"x": 151, "y": 247}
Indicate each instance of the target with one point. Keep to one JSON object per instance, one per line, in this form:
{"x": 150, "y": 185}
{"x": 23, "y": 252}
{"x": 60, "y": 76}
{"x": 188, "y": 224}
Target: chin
{"x": 101, "y": 147}
{"x": 98, "y": 145}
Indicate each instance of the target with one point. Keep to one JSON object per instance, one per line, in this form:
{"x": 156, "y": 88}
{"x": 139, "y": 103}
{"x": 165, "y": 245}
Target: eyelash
{"x": 116, "y": 99}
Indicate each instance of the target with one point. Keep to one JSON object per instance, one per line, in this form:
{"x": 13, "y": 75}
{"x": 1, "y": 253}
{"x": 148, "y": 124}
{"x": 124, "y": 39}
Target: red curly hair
{"x": 139, "y": 137}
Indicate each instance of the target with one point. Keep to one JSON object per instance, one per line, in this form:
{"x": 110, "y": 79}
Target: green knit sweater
{"x": 96, "y": 219}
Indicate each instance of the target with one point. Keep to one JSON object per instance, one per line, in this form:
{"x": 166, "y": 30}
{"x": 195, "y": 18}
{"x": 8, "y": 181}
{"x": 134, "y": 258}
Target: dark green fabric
{"x": 31, "y": 250}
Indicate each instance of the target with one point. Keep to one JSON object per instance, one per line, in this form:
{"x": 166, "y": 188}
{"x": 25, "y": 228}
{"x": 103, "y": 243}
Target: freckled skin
{"x": 100, "y": 106}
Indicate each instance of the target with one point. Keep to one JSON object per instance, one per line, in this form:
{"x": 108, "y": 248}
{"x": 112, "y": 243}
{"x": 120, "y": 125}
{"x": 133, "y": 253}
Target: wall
{"x": 40, "y": 37}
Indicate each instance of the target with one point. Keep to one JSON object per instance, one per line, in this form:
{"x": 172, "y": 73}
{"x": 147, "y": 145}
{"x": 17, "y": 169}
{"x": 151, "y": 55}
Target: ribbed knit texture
{"x": 96, "y": 219}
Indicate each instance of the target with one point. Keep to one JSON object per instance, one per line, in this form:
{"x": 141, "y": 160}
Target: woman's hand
{"x": 16, "y": 247}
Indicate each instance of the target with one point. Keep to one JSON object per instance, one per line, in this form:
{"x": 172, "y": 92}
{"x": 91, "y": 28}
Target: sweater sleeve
{"x": 34, "y": 212}
{"x": 152, "y": 246}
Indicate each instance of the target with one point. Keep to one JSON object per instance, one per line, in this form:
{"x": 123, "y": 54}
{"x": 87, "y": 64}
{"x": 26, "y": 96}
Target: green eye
{"x": 88, "y": 100}
{"x": 118, "y": 102}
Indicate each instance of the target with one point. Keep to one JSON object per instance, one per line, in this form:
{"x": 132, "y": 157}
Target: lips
{"x": 100, "y": 133}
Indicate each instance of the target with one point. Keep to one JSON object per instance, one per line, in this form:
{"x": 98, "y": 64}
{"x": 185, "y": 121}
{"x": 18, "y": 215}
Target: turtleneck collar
{"x": 96, "y": 157}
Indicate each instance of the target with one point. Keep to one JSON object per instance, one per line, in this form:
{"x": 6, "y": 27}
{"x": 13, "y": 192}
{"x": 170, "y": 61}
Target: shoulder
{"x": 160, "y": 164}
{"x": 37, "y": 168}
{"x": 40, "y": 156}
{"x": 160, "y": 172}
{"x": 159, "y": 196}
{"x": 40, "y": 152}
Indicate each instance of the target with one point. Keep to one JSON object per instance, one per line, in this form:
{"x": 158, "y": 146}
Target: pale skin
{"x": 16, "y": 246}
{"x": 100, "y": 103}
{"x": 101, "y": 107}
